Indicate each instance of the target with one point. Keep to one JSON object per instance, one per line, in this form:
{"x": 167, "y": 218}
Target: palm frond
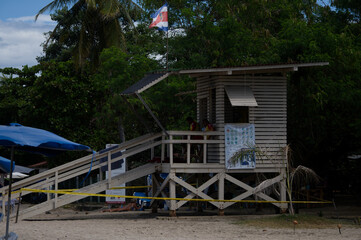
{"x": 303, "y": 175}
{"x": 56, "y": 4}
{"x": 109, "y": 9}
{"x": 68, "y": 20}
{"x": 91, "y": 4}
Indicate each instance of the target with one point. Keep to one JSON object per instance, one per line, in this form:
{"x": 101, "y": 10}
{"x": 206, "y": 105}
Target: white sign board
{"x": 239, "y": 146}
{"x": 115, "y": 172}
{"x": 121, "y": 192}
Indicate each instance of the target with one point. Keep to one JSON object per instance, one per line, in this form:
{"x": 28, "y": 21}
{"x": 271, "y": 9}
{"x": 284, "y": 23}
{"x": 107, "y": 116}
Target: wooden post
{"x": 188, "y": 150}
{"x": 171, "y": 150}
{"x": 154, "y": 191}
{"x": 172, "y": 193}
{"x": 90, "y": 183}
{"x": 100, "y": 174}
{"x": 204, "y": 150}
{"x": 109, "y": 170}
{"x": 17, "y": 211}
{"x": 152, "y": 153}
{"x": 283, "y": 192}
{"x": 163, "y": 149}
{"x": 98, "y": 180}
{"x": 221, "y": 193}
{"x": 56, "y": 189}
{"x": 48, "y": 194}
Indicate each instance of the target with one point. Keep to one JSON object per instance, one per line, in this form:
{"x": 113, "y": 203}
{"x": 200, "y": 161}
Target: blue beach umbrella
{"x": 5, "y": 165}
{"x": 18, "y": 137}
{"x": 35, "y": 140}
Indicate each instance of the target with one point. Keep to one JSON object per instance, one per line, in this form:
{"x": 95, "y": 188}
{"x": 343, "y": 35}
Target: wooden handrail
{"x": 197, "y": 133}
{"x": 84, "y": 161}
{"x": 187, "y": 137}
{"x": 80, "y": 166}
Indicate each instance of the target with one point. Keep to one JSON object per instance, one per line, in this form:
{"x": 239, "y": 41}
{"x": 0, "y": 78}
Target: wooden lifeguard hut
{"x": 248, "y": 107}
{"x": 244, "y": 158}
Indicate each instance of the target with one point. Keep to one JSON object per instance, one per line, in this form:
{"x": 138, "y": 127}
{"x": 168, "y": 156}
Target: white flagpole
{"x": 167, "y": 32}
{"x": 167, "y": 51}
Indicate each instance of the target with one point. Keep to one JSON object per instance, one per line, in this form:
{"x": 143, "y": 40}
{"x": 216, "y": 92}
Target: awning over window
{"x": 241, "y": 96}
{"x": 145, "y": 83}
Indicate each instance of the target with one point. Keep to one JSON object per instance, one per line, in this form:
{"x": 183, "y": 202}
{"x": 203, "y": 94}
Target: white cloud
{"x": 42, "y": 19}
{"x": 20, "y": 40}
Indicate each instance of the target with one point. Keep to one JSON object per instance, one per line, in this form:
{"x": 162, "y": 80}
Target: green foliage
{"x": 352, "y": 7}
{"x": 87, "y": 28}
{"x": 117, "y": 72}
{"x": 173, "y": 102}
{"x": 62, "y": 40}
{"x": 324, "y": 110}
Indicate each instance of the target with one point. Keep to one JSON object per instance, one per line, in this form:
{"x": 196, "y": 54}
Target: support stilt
{"x": 283, "y": 193}
{"x": 220, "y": 212}
{"x": 154, "y": 191}
{"x": 172, "y": 193}
{"x": 221, "y": 193}
{"x": 172, "y": 213}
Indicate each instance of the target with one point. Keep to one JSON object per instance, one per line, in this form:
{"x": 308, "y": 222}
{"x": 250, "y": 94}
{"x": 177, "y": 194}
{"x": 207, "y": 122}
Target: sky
{"x": 20, "y": 36}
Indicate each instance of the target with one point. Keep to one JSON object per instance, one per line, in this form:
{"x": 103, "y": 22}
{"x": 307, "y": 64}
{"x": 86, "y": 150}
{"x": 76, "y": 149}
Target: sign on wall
{"x": 117, "y": 171}
{"x": 240, "y": 146}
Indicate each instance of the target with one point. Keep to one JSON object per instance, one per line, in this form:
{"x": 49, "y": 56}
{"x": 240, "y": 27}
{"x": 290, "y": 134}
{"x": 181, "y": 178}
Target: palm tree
{"x": 99, "y": 23}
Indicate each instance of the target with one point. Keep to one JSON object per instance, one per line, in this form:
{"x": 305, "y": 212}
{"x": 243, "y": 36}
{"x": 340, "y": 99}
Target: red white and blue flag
{"x": 160, "y": 18}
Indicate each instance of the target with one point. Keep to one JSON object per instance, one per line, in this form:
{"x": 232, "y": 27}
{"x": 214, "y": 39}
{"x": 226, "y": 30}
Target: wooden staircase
{"x": 51, "y": 178}
{"x": 94, "y": 188}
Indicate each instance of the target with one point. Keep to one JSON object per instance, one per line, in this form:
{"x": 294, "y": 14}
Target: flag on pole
{"x": 160, "y": 18}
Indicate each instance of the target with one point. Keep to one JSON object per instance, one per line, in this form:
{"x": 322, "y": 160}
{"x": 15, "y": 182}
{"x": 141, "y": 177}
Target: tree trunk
{"x": 121, "y": 129}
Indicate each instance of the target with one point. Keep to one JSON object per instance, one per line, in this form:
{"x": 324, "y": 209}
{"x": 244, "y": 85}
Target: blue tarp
{"x": 35, "y": 140}
{"x": 5, "y": 165}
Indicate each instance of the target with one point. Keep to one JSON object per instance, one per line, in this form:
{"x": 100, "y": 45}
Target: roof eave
{"x": 253, "y": 69}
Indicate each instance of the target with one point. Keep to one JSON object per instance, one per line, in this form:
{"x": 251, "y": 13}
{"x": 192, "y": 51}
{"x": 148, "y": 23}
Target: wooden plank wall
{"x": 270, "y": 117}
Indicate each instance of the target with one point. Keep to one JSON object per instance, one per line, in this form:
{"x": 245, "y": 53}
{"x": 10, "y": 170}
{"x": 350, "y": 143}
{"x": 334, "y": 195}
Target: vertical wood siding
{"x": 270, "y": 117}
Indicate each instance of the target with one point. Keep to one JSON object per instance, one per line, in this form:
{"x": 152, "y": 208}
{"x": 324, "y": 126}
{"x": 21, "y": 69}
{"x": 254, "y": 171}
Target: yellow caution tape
{"x": 131, "y": 187}
{"x": 17, "y": 191}
{"x": 68, "y": 190}
{"x": 159, "y": 198}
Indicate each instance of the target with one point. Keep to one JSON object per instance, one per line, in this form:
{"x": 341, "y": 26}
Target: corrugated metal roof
{"x": 153, "y": 78}
{"x": 241, "y": 96}
{"x": 145, "y": 83}
{"x": 280, "y": 67}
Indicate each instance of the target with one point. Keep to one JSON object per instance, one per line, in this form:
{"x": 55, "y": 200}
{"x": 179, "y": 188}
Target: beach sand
{"x": 77, "y": 225}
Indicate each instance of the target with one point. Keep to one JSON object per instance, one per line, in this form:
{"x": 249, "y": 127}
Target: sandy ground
{"x": 76, "y": 225}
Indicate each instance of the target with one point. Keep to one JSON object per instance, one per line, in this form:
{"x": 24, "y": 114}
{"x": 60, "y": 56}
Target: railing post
{"x": 171, "y": 150}
{"x": 205, "y": 150}
{"x": 188, "y": 149}
{"x": 163, "y": 149}
{"x": 56, "y": 181}
{"x": 152, "y": 152}
{"x": 100, "y": 174}
{"x": 109, "y": 170}
{"x": 47, "y": 194}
